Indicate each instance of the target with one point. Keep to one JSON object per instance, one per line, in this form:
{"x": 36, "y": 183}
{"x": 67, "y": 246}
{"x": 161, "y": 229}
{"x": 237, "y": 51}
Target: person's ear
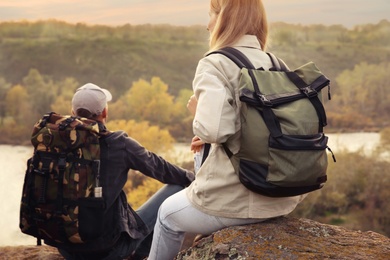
{"x": 105, "y": 112}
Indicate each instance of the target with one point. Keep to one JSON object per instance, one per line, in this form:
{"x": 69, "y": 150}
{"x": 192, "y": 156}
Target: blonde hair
{"x": 236, "y": 18}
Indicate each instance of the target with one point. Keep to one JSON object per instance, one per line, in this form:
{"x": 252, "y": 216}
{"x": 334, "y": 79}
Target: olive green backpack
{"x": 61, "y": 199}
{"x": 283, "y": 147}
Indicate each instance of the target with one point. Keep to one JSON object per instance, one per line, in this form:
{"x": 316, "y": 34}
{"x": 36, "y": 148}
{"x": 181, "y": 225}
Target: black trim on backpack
{"x": 249, "y": 177}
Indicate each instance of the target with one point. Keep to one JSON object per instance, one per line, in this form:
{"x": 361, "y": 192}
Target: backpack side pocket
{"x": 91, "y": 218}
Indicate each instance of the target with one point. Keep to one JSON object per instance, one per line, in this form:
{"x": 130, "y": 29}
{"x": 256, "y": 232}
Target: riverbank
{"x": 13, "y": 164}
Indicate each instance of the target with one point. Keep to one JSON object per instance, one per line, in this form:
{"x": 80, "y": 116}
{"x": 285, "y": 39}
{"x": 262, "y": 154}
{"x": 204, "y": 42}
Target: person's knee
{"x": 173, "y": 188}
{"x": 170, "y": 218}
{"x": 165, "y": 215}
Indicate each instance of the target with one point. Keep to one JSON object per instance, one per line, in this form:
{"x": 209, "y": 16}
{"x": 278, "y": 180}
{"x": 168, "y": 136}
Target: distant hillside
{"x": 108, "y": 56}
{"x": 115, "y": 57}
{"x": 333, "y": 48}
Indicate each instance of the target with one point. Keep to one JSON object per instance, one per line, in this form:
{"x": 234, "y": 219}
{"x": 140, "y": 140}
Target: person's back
{"x": 125, "y": 231}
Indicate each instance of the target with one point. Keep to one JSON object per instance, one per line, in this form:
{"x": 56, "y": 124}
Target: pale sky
{"x": 189, "y": 12}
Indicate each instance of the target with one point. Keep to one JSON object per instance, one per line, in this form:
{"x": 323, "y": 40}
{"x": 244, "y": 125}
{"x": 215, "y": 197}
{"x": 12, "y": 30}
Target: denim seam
{"x": 166, "y": 216}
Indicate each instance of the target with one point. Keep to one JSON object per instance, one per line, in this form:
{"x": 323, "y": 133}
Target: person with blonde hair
{"x": 216, "y": 199}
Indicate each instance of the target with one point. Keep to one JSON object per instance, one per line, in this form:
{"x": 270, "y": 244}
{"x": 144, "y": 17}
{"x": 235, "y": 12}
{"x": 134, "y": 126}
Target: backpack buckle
{"x": 63, "y": 125}
{"x": 264, "y": 100}
{"x": 309, "y": 92}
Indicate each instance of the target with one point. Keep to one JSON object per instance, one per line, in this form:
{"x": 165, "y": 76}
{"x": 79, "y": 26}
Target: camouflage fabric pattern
{"x": 77, "y": 141}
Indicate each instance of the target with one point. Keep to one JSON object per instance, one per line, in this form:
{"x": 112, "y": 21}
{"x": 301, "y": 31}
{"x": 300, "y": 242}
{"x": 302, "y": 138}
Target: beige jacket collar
{"x": 249, "y": 41}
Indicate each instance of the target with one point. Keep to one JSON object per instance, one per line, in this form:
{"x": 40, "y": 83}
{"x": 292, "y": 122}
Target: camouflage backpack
{"x": 282, "y": 146}
{"x": 61, "y": 200}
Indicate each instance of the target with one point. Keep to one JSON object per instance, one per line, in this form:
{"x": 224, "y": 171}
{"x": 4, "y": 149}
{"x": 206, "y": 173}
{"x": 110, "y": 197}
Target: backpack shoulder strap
{"x": 243, "y": 62}
{"x": 236, "y": 56}
{"x": 278, "y": 64}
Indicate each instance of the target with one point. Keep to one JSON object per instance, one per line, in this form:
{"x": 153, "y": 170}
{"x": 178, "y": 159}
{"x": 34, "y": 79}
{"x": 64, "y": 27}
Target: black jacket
{"x": 120, "y": 153}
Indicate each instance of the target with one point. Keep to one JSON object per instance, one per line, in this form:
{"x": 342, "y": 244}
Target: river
{"x": 13, "y": 163}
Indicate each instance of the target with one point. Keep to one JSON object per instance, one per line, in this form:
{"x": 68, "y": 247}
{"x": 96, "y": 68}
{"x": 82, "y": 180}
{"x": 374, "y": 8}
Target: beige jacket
{"x": 217, "y": 190}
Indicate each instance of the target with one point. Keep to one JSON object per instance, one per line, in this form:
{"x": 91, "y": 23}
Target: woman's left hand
{"x": 196, "y": 144}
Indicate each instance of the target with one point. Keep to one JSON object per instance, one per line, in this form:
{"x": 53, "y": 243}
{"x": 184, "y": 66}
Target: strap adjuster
{"x": 63, "y": 125}
{"x": 264, "y": 100}
{"x": 309, "y": 92}
{"x": 62, "y": 162}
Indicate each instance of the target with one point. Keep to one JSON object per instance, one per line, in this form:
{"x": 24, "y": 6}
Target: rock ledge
{"x": 281, "y": 238}
{"x": 289, "y": 238}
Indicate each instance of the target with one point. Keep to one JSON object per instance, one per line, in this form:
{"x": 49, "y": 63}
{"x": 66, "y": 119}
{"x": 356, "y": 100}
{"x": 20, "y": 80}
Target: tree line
{"x": 146, "y": 111}
{"x": 41, "y": 63}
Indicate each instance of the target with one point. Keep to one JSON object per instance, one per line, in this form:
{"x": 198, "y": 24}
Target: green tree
{"x": 181, "y": 101}
{"x": 285, "y": 37}
{"x": 363, "y": 92}
{"x": 65, "y": 90}
{"x": 384, "y": 145}
{"x": 355, "y": 195}
{"x": 151, "y": 137}
{"x": 181, "y": 122}
{"x": 14, "y": 130}
{"x": 62, "y": 105}
{"x": 40, "y": 90}
{"x": 4, "y": 87}
{"x": 148, "y": 101}
{"x": 17, "y": 104}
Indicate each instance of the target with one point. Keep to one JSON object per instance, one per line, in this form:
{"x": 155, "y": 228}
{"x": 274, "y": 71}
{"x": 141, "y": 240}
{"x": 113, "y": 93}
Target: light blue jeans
{"x": 177, "y": 216}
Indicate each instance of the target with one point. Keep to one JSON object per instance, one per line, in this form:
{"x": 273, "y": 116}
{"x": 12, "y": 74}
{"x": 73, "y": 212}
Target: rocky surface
{"x": 29, "y": 252}
{"x": 281, "y": 238}
{"x": 289, "y": 238}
